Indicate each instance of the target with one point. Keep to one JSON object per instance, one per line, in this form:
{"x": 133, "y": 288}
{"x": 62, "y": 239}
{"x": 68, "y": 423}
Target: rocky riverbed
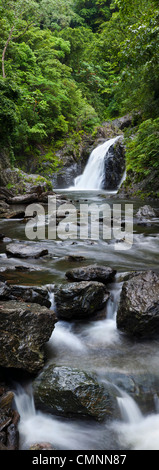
{"x": 81, "y": 295}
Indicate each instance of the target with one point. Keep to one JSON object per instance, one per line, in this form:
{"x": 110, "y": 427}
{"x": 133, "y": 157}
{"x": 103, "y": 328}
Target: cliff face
{"x": 148, "y": 187}
{"x": 4, "y": 165}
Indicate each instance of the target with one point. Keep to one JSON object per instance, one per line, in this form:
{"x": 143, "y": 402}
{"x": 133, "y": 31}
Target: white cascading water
{"x": 92, "y": 177}
{"x": 37, "y": 427}
{"x": 136, "y": 431}
{"x": 130, "y": 411}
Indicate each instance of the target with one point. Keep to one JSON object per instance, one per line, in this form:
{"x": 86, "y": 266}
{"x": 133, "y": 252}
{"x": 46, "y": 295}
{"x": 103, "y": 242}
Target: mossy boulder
{"x": 70, "y": 392}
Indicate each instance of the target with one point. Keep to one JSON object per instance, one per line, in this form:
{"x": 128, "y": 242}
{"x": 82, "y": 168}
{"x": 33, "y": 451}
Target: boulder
{"x": 24, "y": 199}
{"x": 24, "y": 330}
{"x": 92, "y": 273}
{"x": 38, "y": 295}
{"x": 70, "y": 392}
{"x": 24, "y": 250}
{"x": 114, "y": 166}
{"x": 138, "y": 311}
{"x": 80, "y": 300}
{"x": 145, "y": 212}
{"x": 12, "y": 214}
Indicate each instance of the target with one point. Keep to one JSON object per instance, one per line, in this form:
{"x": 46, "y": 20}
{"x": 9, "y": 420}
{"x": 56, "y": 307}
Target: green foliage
{"x": 67, "y": 66}
{"x": 57, "y": 15}
{"x": 40, "y": 100}
{"x": 93, "y": 12}
{"x": 143, "y": 150}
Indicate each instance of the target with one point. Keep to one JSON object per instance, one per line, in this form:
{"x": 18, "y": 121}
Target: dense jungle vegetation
{"x": 68, "y": 66}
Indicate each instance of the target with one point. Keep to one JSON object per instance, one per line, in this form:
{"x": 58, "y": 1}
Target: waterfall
{"x": 92, "y": 177}
{"x": 136, "y": 431}
{"x": 130, "y": 411}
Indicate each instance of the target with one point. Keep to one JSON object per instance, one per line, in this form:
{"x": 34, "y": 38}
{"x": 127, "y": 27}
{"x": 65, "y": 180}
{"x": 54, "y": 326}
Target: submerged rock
{"x": 24, "y": 330}
{"x": 70, "y": 392}
{"x": 80, "y": 300}
{"x": 92, "y": 273}
{"x": 138, "y": 311}
{"x": 24, "y": 250}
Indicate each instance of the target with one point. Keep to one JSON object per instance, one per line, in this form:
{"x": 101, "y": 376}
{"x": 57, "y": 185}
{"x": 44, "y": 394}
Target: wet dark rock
{"x": 2, "y": 236}
{"x": 114, "y": 166}
{"x": 145, "y": 212}
{"x": 4, "y": 290}
{"x": 42, "y": 446}
{"x": 24, "y": 199}
{"x": 4, "y": 421}
{"x": 12, "y": 437}
{"x": 2, "y": 446}
{"x": 138, "y": 311}
{"x": 70, "y": 392}
{"x": 3, "y": 206}
{"x": 80, "y": 300}
{"x": 92, "y": 273}
{"x": 24, "y": 250}
{"x": 5, "y": 194}
{"x": 9, "y": 214}
{"x": 2, "y": 438}
{"x": 43, "y": 198}
{"x": 25, "y": 267}
{"x": 24, "y": 330}
{"x": 6, "y": 400}
{"x": 38, "y": 295}
{"x": 19, "y": 268}
{"x": 74, "y": 258}
{"x": 9, "y": 418}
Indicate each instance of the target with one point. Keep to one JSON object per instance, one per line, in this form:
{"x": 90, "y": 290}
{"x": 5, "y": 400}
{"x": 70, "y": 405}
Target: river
{"x": 95, "y": 346}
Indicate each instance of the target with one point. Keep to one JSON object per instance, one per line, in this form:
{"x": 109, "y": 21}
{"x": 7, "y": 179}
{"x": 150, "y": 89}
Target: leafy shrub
{"x": 143, "y": 150}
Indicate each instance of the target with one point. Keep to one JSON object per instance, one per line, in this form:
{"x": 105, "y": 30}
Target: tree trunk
{"x": 4, "y": 50}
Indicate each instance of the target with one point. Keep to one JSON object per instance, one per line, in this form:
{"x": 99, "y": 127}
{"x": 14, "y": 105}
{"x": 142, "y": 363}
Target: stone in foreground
{"x": 80, "y": 300}
{"x": 70, "y": 392}
{"x": 24, "y": 330}
{"x": 138, "y": 311}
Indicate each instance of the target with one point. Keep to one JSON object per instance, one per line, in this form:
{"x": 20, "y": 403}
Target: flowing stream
{"x": 130, "y": 367}
{"x": 92, "y": 177}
